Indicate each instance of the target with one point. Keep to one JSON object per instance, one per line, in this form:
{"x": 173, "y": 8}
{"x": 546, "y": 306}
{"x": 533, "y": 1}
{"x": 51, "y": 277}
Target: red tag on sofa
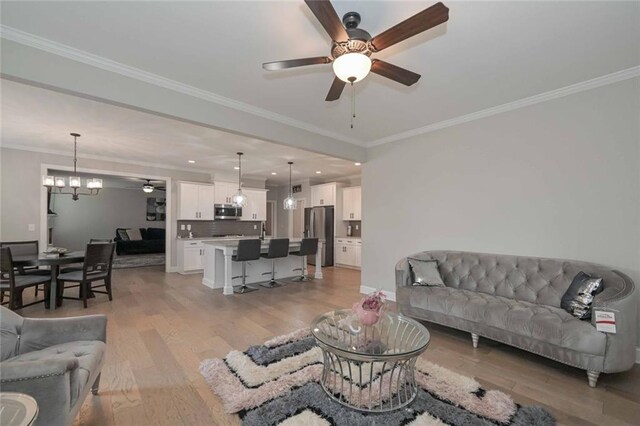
{"x": 605, "y": 321}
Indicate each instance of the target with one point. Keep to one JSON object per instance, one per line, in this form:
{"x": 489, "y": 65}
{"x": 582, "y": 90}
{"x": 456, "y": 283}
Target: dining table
{"x": 53, "y": 261}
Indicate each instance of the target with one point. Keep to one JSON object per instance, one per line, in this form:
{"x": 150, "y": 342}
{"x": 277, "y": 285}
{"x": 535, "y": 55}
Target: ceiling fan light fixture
{"x": 148, "y": 188}
{"x": 352, "y": 66}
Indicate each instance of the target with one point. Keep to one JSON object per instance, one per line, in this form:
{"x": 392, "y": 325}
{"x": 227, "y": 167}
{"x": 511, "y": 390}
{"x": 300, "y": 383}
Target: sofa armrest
{"x": 620, "y": 353}
{"x": 42, "y": 333}
{"x": 48, "y": 382}
{"x": 24, "y": 371}
{"x": 403, "y": 273}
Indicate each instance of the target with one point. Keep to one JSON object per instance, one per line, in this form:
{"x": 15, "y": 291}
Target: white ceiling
{"x": 488, "y": 54}
{"x": 39, "y": 119}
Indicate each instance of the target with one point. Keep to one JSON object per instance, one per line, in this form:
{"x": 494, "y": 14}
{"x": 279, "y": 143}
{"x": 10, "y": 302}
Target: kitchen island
{"x": 219, "y": 268}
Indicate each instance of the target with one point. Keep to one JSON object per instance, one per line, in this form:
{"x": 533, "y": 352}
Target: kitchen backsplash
{"x": 208, "y": 228}
{"x": 356, "y": 228}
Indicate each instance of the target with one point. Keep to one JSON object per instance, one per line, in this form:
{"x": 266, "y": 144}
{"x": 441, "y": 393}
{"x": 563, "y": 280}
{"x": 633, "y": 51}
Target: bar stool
{"x": 278, "y": 247}
{"x": 308, "y": 247}
{"x": 247, "y": 250}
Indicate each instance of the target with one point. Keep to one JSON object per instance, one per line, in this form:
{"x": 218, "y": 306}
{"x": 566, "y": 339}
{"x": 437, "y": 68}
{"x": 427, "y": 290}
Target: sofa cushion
{"x": 88, "y": 353}
{"x": 134, "y": 234}
{"x": 121, "y": 234}
{"x": 540, "y": 322}
{"x": 425, "y": 272}
{"x": 154, "y": 234}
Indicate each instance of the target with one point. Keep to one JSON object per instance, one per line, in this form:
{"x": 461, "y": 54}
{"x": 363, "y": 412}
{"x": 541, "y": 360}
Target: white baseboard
{"x": 637, "y": 355}
{"x": 391, "y": 295}
{"x": 173, "y": 269}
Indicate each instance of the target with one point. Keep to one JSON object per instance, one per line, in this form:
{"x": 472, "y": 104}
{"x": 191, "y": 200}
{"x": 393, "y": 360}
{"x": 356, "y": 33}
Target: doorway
{"x": 297, "y": 230}
{"x": 270, "y": 224}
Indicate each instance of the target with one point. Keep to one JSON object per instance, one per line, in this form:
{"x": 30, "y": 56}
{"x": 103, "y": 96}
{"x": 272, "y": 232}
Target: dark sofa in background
{"x": 153, "y": 241}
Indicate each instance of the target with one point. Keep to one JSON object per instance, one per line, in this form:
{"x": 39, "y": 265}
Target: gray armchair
{"x": 56, "y": 361}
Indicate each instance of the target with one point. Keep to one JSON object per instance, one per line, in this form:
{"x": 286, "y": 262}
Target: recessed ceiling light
{"x": 236, "y": 168}
{"x": 358, "y": 164}
{"x": 192, "y": 161}
{"x": 273, "y": 173}
{"x": 318, "y": 172}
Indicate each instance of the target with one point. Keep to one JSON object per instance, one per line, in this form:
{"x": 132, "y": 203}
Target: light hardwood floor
{"x": 162, "y": 325}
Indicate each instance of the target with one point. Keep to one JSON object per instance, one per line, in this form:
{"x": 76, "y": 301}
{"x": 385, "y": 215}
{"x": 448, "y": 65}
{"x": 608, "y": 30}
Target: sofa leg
{"x": 474, "y": 339}
{"x": 96, "y": 384}
{"x": 593, "y": 378}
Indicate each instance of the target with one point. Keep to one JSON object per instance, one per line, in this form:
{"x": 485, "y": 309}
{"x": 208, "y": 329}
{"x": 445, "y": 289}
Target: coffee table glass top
{"x": 392, "y": 336}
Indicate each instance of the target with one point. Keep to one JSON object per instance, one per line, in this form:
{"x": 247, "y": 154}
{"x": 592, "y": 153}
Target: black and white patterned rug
{"x": 277, "y": 384}
{"x": 138, "y": 260}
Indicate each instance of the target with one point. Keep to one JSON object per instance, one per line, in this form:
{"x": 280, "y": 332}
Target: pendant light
{"x": 94, "y": 185}
{"x": 239, "y": 199}
{"x": 290, "y": 202}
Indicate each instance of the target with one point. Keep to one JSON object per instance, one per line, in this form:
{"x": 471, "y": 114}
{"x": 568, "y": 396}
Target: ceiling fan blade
{"x": 291, "y": 63}
{"x": 326, "y": 14}
{"x": 336, "y": 90}
{"x": 394, "y": 72}
{"x": 421, "y": 21}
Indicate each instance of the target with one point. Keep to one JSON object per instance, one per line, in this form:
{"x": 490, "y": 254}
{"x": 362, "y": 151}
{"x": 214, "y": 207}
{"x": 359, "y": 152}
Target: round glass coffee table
{"x": 369, "y": 368}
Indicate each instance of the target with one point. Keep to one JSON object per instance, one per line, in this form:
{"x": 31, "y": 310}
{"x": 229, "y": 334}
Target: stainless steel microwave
{"x": 227, "y": 212}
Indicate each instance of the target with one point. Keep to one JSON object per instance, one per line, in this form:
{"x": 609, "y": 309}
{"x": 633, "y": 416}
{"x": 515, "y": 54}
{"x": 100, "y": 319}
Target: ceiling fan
{"x": 148, "y": 187}
{"x": 352, "y": 47}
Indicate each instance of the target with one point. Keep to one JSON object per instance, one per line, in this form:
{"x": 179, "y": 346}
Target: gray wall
{"x": 20, "y": 177}
{"x": 98, "y": 217}
{"x": 557, "y": 179}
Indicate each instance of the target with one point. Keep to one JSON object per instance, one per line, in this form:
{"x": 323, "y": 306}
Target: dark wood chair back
{"x": 21, "y": 248}
{"x": 98, "y": 258}
{"x": 100, "y": 240}
{"x": 6, "y": 268}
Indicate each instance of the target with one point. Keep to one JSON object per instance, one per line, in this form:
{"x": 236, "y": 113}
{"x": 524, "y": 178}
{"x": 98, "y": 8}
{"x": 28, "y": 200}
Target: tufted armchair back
{"x": 530, "y": 279}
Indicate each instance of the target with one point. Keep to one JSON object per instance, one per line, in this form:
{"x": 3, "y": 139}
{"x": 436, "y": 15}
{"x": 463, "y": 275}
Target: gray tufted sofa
{"x": 56, "y": 361}
{"x": 516, "y": 300}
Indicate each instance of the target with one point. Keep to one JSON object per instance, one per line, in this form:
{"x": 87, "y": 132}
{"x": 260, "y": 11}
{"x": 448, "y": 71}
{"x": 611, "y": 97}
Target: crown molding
{"x": 87, "y": 58}
{"x": 102, "y": 158}
{"x": 521, "y": 103}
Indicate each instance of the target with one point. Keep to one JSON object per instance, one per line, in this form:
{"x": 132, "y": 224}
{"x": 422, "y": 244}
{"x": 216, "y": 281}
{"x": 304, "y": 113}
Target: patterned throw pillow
{"x": 578, "y": 298}
{"x": 425, "y": 272}
{"x": 134, "y": 234}
{"x": 122, "y": 233}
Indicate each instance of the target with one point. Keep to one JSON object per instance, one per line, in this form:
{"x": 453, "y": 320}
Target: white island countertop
{"x": 219, "y": 269}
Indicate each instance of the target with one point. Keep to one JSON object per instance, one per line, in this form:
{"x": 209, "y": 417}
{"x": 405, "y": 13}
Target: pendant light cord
{"x": 239, "y": 171}
{"x": 290, "y": 187}
{"x": 75, "y": 153}
{"x": 353, "y": 104}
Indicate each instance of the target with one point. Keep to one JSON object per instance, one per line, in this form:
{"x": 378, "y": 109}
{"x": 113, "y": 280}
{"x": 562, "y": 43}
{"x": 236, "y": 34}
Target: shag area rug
{"x": 277, "y": 383}
{"x": 138, "y": 260}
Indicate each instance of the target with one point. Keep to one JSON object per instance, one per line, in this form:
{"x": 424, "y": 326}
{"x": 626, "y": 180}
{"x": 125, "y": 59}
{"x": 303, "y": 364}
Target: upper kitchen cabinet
{"x": 195, "y": 201}
{"x": 224, "y": 192}
{"x": 324, "y": 194}
{"x": 352, "y": 203}
{"x": 256, "y": 208}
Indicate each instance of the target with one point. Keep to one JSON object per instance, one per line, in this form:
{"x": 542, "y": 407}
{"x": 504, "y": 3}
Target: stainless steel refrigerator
{"x": 318, "y": 223}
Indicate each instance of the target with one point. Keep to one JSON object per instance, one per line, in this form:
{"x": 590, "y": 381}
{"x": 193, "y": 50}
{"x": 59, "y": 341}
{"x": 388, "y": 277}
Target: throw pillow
{"x": 134, "y": 234}
{"x": 425, "y": 272}
{"x": 578, "y": 298}
{"x": 122, "y": 234}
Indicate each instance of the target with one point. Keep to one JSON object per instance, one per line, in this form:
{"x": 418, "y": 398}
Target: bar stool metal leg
{"x": 244, "y": 288}
{"x": 303, "y": 276}
{"x": 272, "y": 283}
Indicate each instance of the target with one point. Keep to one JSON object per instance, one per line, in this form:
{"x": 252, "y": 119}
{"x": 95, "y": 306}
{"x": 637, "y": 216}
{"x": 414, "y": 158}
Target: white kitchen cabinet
{"x": 323, "y": 195}
{"x": 224, "y": 192}
{"x": 348, "y": 252}
{"x": 190, "y": 256}
{"x": 195, "y": 201}
{"x": 256, "y": 208}
{"x": 352, "y": 203}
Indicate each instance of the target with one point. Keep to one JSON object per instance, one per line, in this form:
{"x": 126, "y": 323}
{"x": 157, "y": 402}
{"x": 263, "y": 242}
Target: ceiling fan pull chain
{"x": 353, "y": 103}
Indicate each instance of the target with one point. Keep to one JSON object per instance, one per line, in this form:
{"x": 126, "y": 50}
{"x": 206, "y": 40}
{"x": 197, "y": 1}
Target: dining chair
{"x": 15, "y": 284}
{"x": 26, "y": 248}
{"x": 78, "y": 266}
{"x": 98, "y": 260}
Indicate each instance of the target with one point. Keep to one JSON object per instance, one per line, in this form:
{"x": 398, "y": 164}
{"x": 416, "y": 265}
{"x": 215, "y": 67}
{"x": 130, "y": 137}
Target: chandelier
{"x": 94, "y": 185}
{"x": 290, "y": 202}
